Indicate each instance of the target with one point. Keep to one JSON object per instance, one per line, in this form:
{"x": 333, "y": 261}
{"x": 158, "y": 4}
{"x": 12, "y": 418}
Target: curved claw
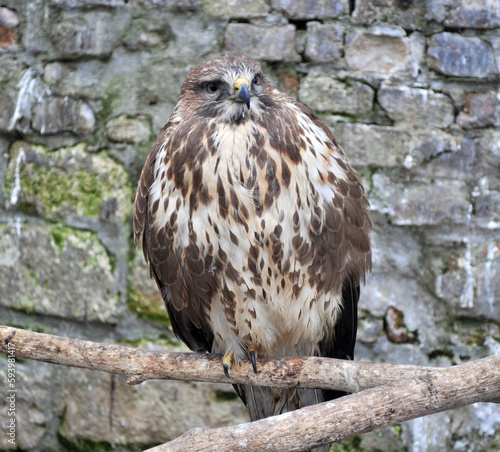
{"x": 254, "y": 360}
{"x": 226, "y": 370}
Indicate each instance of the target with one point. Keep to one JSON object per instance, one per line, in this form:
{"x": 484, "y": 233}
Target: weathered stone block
{"x": 419, "y": 107}
{"x": 384, "y": 290}
{"x": 460, "y": 56}
{"x": 62, "y": 114}
{"x": 493, "y": 38}
{"x": 85, "y": 78}
{"x": 470, "y": 284}
{"x": 433, "y": 143}
{"x": 129, "y": 411}
{"x": 328, "y": 94}
{"x": 236, "y": 9}
{"x": 369, "y": 145}
{"x": 437, "y": 10}
{"x": 432, "y": 204}
{"x": 129, "y": 130}
{"x": 407, "y": 14}
{"x": 7, "y": 108}
{"x": 264, "y": 43}
{"x": 32, "y": 398}
{"x": 474, "y": 14}
{"x": 472, "y": 427}
{"x": 463, "y": 162}
{"x": 489, "y": 144}
{"x": 94, "y": 33}
{"x": 175, "y": 5}
{"x": 480, "y": 110}
{"x": 311, "y": 9}
{"x": 385, "y": 50}
{"x": 487, "y": 209}
{"x": 9, "y": 68}
{"x": 37, "y": 25}
{"x": 56, "y": 270}
{"x": 287, "y": 82}
{"x": 8, "y": 27}
{"x": 195, "y": 38}
{"x": 147, "y": 32}
{"x": 487, "y": 282}
{"x": 324, "y": 42}
{"x": 144, "y": 298}
{"x": 444, "y": 201}
{"x": 66, "y": 182}
{"x": 78, "y": 3}
{"x": 4, "y": 149}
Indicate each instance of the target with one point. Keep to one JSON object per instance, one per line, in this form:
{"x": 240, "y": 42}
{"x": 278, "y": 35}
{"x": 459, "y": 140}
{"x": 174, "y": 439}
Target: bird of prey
{"x": 255, "y": 227}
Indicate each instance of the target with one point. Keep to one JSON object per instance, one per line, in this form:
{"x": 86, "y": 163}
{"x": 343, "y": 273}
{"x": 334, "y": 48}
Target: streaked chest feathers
{"x": 263, "y": 224}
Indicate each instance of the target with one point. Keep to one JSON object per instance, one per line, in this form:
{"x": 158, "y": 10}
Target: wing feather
{"x": 346, "y": 230}
{"x": 187, "y": 312}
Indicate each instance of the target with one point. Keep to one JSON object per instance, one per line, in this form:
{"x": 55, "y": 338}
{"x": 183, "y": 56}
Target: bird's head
{"x": 231, "y": 88}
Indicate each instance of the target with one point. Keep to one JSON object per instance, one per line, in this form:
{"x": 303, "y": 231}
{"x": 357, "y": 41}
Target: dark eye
{"x": 257, "y": 80}
{"x": 212, "y": 87}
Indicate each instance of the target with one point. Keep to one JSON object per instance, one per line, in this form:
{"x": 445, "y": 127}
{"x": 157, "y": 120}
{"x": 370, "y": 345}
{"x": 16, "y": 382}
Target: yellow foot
{"x": 227, "y": 360}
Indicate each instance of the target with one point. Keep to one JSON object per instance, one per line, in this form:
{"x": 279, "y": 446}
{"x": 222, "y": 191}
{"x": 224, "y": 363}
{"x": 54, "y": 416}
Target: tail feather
{"x": 264, "y": 402}
{"x": 338, "y": 343}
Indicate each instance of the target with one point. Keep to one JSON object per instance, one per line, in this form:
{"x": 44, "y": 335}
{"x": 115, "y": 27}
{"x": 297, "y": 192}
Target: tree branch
{"x": 398, "y": 392}
{"x": 372, "y": 409}
{"x": 139, "y": 365}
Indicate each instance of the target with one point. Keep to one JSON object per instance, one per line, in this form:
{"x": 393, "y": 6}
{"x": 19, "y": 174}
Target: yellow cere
{"x": 240, "y": 81}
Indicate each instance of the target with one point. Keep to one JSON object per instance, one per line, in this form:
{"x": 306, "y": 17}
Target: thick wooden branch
{"x": 139, "y": 365}
{"x": 389, "y": 394}
{"x": 372, "y": 409}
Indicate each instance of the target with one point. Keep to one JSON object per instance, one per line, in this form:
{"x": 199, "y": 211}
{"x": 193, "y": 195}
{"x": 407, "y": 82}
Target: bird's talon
{"x": 253, "y": 359}
{"x": 226, "y": 370}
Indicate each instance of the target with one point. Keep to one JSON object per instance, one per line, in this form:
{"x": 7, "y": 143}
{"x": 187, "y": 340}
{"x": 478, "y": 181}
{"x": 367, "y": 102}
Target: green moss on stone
{"x": 58, "y": 190}
{"x": 26, "y": 304}
{"x": 471, "y": 332}
{"x": 62, "y": 235}
{"x": 398, "y": 431}
{"x": 348, "y": 445}
{"x": 85, "y": 445}
{"x": 59, "y": 236}
{"x": 476, "y": 340}
{"x": 68, "y": 181}
{"x": 111, "y": 97}
{"x": 31, "y": 275}
{"x": 144, "y": 308}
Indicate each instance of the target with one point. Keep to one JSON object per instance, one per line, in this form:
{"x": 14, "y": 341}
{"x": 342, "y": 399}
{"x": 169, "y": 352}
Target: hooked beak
{"x": 241, "y": 91}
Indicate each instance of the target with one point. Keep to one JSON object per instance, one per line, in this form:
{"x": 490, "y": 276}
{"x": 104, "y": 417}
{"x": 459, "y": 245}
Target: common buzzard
{"x": 255, "y": 227}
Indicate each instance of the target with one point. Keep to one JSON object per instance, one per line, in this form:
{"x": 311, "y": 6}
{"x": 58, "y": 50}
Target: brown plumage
{"x": 255, "y": 227}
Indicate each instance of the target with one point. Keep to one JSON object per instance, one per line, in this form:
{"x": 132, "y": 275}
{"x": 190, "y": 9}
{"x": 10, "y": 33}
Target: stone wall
{"x": 410, "y": 89}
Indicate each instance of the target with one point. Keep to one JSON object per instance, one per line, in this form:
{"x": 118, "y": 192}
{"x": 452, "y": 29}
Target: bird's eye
{"x": 257, "y": 80}
{"x": 212, "y": 87}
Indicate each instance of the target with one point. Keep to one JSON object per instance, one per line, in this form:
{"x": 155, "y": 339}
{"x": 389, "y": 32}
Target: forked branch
{"x": 365, "y": 411}
{"x": 385, "y": 394}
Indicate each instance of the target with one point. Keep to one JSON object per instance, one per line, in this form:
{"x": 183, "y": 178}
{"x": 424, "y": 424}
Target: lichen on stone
{"x": 65, "y": 182}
